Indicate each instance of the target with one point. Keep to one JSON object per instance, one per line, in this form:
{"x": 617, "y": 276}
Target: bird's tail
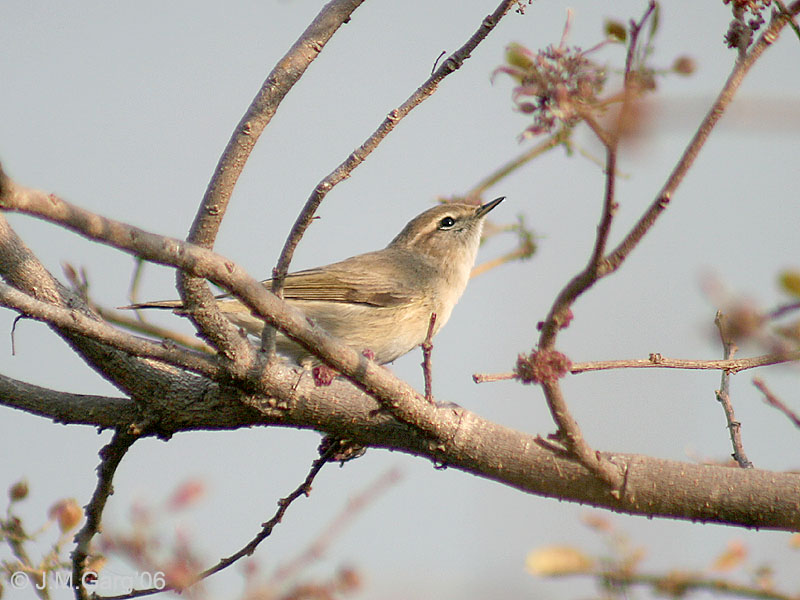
{"x": 173, "y": 304}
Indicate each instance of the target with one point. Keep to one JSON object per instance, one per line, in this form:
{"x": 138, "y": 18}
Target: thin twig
{"x": 518, "y": 253}
{"x": 610, "y": 205}
{"x": 110, "y": 457}
{"x": 343, "y": 171}
{"x": 789, "y": 17}
{"x": 304, "y": 489}
{"x": 427, "y": 371}
{"x": 491, "y": 377}
{"x": 136, "y": 280}
{"x": 75, "y": 321}
{"x": 659, "y": 361}
{"x": 611, "y": 142}
{"x": 679, "y": 584}
{"x": 734, "y": 427}
{"x": 598, "y": 266}
{"x": 13, "y": 332}
{"x": 146, "y": 327}
{"x": 724, "y": 98}
{"x": 781, "y": 310}
{"x": 724, "y": 397}
{"x": 569, "y": 432}
{"x": 559, "y": 137}
{"x": 138, "y": 325}
{"x": 773, "y": 400}
{"x": 351, "y": 510}
{"x": 436, "y": 62}
{"x": 568, "y": 428}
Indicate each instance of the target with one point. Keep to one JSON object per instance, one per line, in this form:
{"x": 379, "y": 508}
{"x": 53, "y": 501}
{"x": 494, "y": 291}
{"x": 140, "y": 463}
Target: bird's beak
{"x": 485, "y": 208}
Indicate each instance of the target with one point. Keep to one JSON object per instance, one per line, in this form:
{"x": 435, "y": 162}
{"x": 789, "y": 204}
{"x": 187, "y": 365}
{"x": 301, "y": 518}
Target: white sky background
{"x": 125, "y": 108}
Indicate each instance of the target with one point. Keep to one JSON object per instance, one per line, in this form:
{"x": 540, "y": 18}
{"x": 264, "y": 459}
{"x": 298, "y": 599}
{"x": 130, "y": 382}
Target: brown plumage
{"x": 380, "y": 301}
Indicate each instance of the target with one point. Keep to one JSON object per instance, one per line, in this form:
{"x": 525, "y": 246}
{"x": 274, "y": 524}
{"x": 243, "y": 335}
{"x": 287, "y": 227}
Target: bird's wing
{"x": 387, "y": 278}
{"x": 382, "y": 279}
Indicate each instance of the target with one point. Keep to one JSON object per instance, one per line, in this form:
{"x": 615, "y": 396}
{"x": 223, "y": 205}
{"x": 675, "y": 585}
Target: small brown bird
{"x": 380, "y": 301}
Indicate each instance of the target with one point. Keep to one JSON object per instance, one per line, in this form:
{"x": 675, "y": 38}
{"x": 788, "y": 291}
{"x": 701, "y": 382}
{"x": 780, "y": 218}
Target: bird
{"x": 379, "y": 302}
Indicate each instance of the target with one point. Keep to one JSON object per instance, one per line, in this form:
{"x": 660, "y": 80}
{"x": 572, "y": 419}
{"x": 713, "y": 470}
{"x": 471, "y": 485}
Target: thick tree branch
{"x": 194, "y": 292}
{"x": 709, "y": 493}
{"x": 395, "y": 395}
{"x": 450, "y": 436}
{"x": 279, "y": 395}
{"x": 20, "y": 268}
{"x": 600, "y": 265}
{"x": 63, "y": 407}
{"x": 75, "y": 321}
{"x": 447, "y": 435}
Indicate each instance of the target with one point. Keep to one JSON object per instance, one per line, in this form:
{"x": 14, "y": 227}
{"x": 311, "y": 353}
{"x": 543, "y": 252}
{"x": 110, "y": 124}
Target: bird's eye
{"x": 447, "y": 223}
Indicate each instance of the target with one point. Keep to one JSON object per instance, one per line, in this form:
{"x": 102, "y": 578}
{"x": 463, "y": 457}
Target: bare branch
{"x": 714, "y": 114}
{"x": 597, "y": 267}
{"x": 343, "y": 171}
{"x": 447, "y": 435}
{"x": 194, "y": 292}
{"x": 76, "y": 321}
{"x": 611, "y": 142}
{"x": 659, "y": 361}
{"x": 110, "y": 457}
{"x": 724, "y": 397}
{"x": 64, "y": 407}
{"x": 569, "y": 432}
{"x": 304, "y": 489}
{"x": 558, "y": 316}
{"x": 712, "y": 493}
{"x": 354, "y": 506}
{"x": 773, "y": 400}
{"x": 394, "y": 394}
{"x": 20, "y": 268}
